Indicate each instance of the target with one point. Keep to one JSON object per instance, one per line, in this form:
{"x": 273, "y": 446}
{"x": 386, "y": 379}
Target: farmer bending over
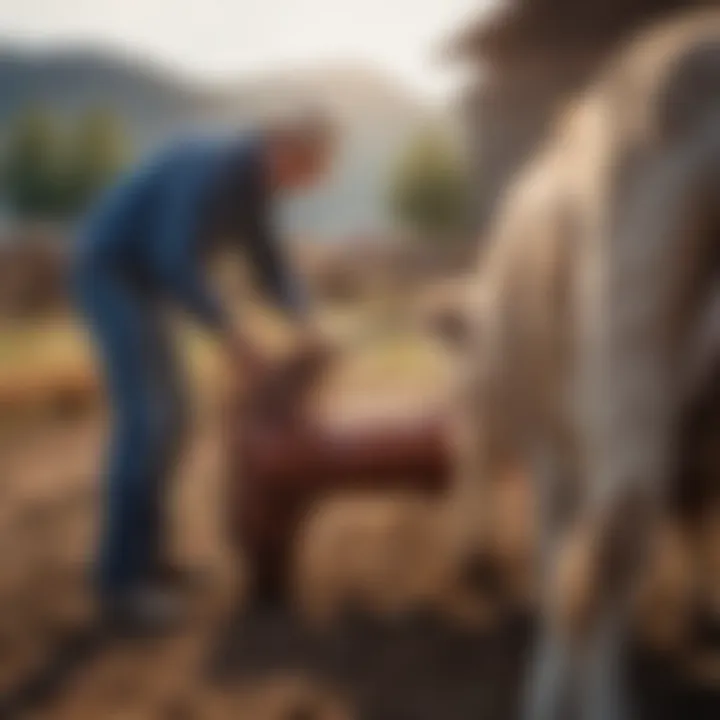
{"x": 141, "y": 251}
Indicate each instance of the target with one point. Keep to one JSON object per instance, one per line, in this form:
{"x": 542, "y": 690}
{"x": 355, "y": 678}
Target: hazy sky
{"x": 218, "y": 38}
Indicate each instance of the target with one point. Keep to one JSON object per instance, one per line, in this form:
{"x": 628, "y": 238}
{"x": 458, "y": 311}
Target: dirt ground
{"x": 53, "y": 666}
{"x": 416, "y": 668}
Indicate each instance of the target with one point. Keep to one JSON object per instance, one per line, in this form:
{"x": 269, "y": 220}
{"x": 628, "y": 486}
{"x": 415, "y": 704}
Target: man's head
{"x": 300, "y": 150}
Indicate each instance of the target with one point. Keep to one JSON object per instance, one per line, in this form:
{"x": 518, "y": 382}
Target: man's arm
{"x": 271, "y": 263}
{"x": 179, "y": 223}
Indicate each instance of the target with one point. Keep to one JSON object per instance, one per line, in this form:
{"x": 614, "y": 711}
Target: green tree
{"x": 96, "y": 153}
{"x": 429, "y": 188}
{"x": 32, "y": 165}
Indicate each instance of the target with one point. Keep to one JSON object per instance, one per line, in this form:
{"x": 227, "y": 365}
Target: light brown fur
{"x": 585, "y": 306}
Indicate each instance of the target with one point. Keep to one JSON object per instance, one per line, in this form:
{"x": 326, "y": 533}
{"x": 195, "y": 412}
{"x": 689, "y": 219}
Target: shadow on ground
{"x": 420, "y": 668}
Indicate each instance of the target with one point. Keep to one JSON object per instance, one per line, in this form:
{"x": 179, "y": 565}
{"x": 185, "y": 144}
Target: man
{"x": 140, "y": 251}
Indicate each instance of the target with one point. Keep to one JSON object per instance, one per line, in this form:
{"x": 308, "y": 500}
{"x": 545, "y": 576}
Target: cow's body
{"x": 587, "y": 303}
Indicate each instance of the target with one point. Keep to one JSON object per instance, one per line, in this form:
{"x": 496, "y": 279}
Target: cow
{"x": 585, "y": 319}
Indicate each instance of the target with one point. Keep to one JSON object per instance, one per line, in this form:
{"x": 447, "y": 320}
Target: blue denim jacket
{"x": 158, "y": 222}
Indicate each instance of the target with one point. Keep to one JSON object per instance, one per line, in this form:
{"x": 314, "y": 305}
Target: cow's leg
{"x": 618, "y": 544}
{"x": 577, "y": 666}
{"x": 628, "y": 396}
{"x": 552, "y": 670}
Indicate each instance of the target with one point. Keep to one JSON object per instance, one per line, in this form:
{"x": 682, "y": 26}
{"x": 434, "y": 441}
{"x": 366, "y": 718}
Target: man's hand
{"x": 278, "y": 388}
{"x": 313, "y": 345}
{"x": 243, "y": 355}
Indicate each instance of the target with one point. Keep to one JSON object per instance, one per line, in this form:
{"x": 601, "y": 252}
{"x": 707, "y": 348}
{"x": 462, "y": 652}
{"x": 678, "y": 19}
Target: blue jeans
{"x": 144, "y": 386}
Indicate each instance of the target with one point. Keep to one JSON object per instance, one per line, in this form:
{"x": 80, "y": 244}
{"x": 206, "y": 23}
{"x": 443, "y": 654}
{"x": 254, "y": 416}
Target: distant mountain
{"x": 377, "y": 116}
{"x": 151, "y": 103}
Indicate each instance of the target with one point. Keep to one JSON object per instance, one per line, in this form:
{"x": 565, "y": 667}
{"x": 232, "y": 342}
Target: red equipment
{"x": 284, "y": 459}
